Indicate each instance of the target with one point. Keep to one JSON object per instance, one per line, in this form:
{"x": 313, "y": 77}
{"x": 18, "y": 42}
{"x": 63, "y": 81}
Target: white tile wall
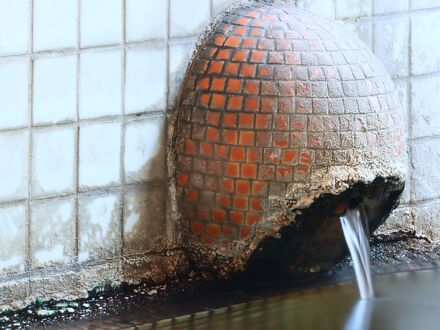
{"x": 425, "y": 31}
{"x": 389, "y": 7}
{"x": 353, "y": 8}
{"x": 54, "y": 160}
{"x": 99, "y": 154}
{"x": 14, "y": 13}
{"x": 101, "y": 22}
{"x": 52, "y": 227}
{"x": 99, "y": 227}
{"x": 145, "y": 86}
{"x": 12, "y": 238}
{"x": 146, "y": 19}
{"x": 425, "y": 100}
{"x": 54, "y": 94}
{"x": 54, "y": 24}
{"x": 324, "y": 8}
{"x": 144, "y": 154}
{"x": 100, "y": 84}
{"x": 14, "y": 165}
{"x": 184, "y": 22}
{"x": 14, "y": 97}
{"x": 391, "y": 44}
{"x": 180, "y": 55}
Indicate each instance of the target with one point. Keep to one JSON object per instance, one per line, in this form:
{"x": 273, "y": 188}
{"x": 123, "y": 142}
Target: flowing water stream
{"x": 354, "y": 225}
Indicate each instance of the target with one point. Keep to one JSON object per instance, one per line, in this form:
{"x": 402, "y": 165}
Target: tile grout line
{"x": 77, "y": 131}
{"x": 169, "y": 229}
{"x": 28, "y": 234}
{"x": 123, "y": 129}
{"x": 410, "y": 110}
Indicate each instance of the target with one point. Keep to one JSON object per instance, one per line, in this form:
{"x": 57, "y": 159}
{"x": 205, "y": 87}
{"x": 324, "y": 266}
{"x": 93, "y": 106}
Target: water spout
{"x": 354, "y": 223}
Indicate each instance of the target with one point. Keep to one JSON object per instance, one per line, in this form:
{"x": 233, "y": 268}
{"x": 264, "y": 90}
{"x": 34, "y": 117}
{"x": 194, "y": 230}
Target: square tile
{"x": 145, "y": 86}
{"x": 425, "y": 94}
{"x": 12, "y": 239}
{"x": 53, "y": 167}
{"x": 100, "y": 84}
{"x": 144, "y": 220}
{"x": 361, "y": 29}
{"x": 426, "y": 220}
{"x": 391, "y": 45}
{"x": 14, "y": 94}
{"x": 180, "y": 55}
{"x": 425, "y": 31}
{"x": 323, "y": 8}
{"x": 146, "y": 19}
{"x": 54, "y": 98}
{"x": 101, "y": 22}
{"x": 188, "y": 17}
{"x": 99, "y": 154}
{"x": 424, "y": 4}
{"x": 53, "y": 235}
{"x": 14, "y": 13}
{"x": 99, "y": 227}
{"x": 388, "y": 7}
{"x": 426, "y": 174}
{"x": 144, "y": 157}
{"x": 54, "y": 24}
{"x": 13, "y": 172}
{"x": 352, "y": 8}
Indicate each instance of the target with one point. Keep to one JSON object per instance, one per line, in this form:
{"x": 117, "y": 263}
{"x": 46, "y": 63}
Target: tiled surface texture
{"x": 274, "y": 96}
{"x": 68, "y": 67}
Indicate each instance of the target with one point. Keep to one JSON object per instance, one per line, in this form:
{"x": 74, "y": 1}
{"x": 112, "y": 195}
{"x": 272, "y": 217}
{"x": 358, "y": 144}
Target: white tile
{"x": 144, "y": 220}
{"x": 424, "y": 41}
{"x": 188, "y": 17}
{"x": 101, "y": 22}
{"x": 52, "y": 228}
{"x": 14, "y": 14}
{"x": 145, "y": 84}
{"x": 352, "y": 8}
{"x": 391, "y": 45}
{"x": 425, "y": 94}
{"x": 144, "y": 150}
{"x": 388, "y": 7}
{"x": 14, "y": 90}
{"x": 180, "y": 55}
{"x": 53, "y": 161}
{"x": 323, "y": 8}
{"x": 13, "y": 168}
{"x": 426, "y": 173}
{"x": 146, "y": 19}
{"x": 100, "y": 84}
{"x": 99, "y": 152}
{"x": 54, "y": 24}
{"x": 99, "y": 227}
{"x": 424, "y": 4}
{"x": 361, "y": 29}
{"x": 54, "y": 97}
{"x": 12, "y": 238}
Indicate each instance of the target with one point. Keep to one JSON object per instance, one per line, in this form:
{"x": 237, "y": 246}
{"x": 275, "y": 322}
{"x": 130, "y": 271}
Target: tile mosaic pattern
{"x": 84, "y": 91}
{"x": 273, "y": 95}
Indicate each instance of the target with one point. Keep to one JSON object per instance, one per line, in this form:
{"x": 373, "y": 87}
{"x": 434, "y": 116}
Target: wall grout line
{"x": 123, "y": 129}
{"x": 28, "y": 231}
{"x": 77, "y": 131}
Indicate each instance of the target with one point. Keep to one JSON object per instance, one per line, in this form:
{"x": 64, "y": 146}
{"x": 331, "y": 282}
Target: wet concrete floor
{"x": 404, "y": 300}
{"x": 407, "y": 286}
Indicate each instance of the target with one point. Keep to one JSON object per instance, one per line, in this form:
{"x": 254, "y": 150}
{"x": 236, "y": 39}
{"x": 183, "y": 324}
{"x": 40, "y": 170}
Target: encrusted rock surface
{"x": 277, "y": 108}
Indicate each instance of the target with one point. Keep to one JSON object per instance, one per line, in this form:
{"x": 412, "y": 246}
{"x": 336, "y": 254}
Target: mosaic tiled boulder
{"x": 281, "y": 112}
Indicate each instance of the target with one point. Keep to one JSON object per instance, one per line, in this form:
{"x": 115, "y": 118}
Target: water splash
{"x": 354, "y": 223}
